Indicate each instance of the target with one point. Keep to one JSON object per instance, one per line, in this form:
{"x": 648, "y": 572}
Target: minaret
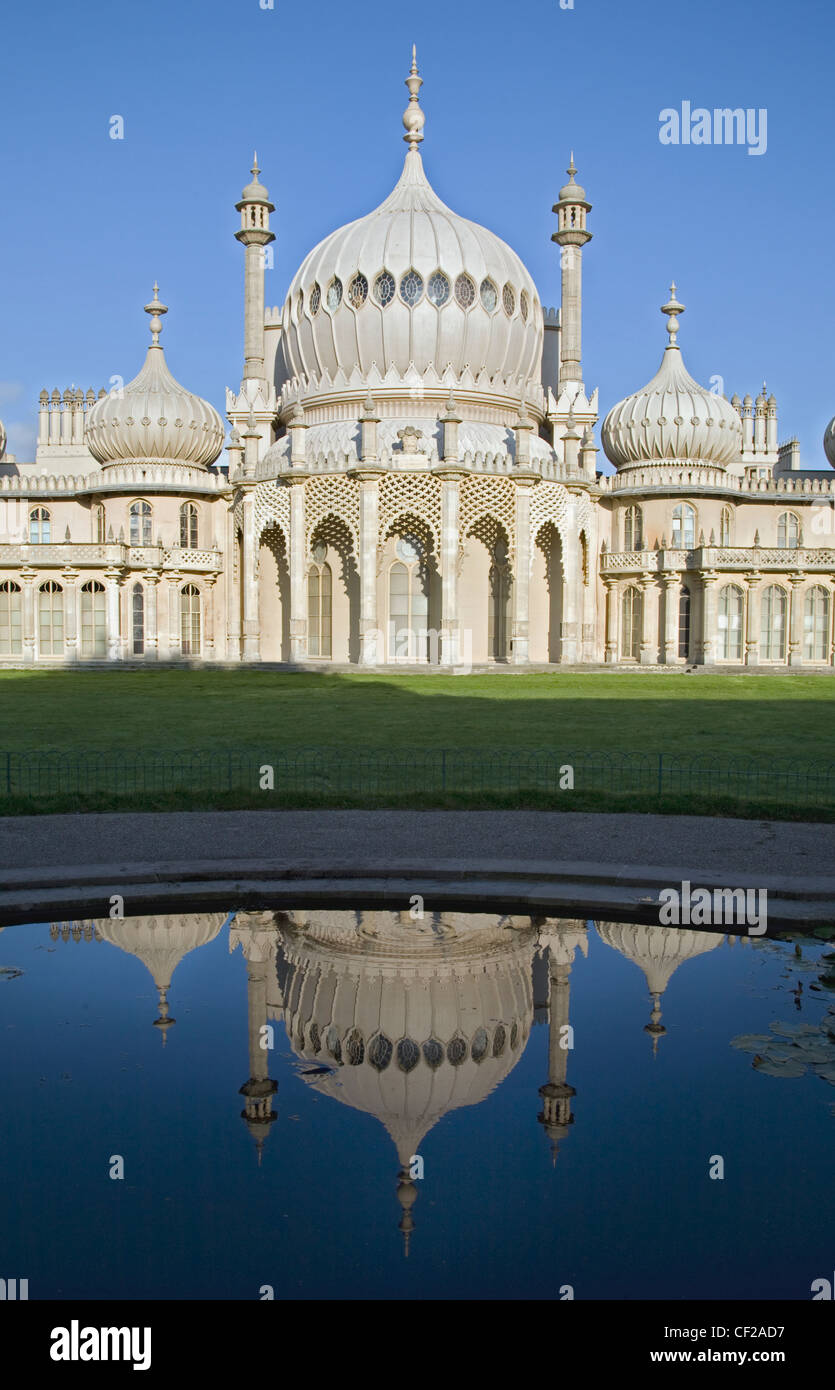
{"x": 259, "y": 1088}
{"x": 571, "y": 235}
{"x": 255, "y": 208}
{"x": 562, "y": 939}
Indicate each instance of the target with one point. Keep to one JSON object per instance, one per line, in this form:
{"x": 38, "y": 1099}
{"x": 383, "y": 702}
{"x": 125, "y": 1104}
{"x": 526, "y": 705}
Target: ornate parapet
{"x": 714, "y": 557}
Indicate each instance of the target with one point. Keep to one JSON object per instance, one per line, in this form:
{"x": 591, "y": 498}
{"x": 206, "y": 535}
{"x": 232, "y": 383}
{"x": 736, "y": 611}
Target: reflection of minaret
{"x": 257, "y": 936}
{"x": 562, "y": 940}
{"x": 658, "y": 951}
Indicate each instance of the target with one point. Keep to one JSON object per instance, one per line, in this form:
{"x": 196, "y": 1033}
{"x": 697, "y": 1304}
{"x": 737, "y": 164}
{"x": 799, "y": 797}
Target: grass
{"x": 761, "y": 716}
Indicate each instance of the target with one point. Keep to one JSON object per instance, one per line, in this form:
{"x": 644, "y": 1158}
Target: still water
{"x": 358, "y": 1105}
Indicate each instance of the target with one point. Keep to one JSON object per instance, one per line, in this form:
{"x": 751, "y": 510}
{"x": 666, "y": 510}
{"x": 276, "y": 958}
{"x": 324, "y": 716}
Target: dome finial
{"x": 571, "y": 170}
{"x": 155, "y": 309}
{"x": 413, "y": 117}
{"x": 255, "y": 170}
{"x": 672, "y": 309}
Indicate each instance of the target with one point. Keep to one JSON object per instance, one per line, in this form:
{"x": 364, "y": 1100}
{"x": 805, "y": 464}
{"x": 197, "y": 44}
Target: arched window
{"x": 584, "y": 557}
{"x": 788, "y": 531}
{"x": 773, "y": 625}
{"x": 39, "y": 526}
{"x": 140, "y": 523}
{"x": 725, "y": 526}
{"x": 498, "y": 602}
{"x": 816, "y": 624}
{"x": 11, "y": 619}
{"x": 684, "y": 526}
{"x": 99, "y": 534}
{"x": 93, "y": 619}
{"x": 684, "y": 623}
{"x": 137, "y": 615}
{"x": 633, "y": 529}
{"x": 319, "y": 605}
{"x": 188, "y": 526}
{"x": 631, "y": 612}
{"x": 51, "y": 619}
{"x": 190, "y": 620}
{"x": 408, "y": 604}
{"x": 731, "y": 610}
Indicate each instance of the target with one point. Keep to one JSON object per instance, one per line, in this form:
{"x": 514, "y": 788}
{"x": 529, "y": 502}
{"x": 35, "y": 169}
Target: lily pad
{"x": 826, "y": 1072}
{"x": 9, "y": 972}
{"x": 751, "y": 1042}
{"x": 816, "y": 1052}
{"x": 779, "y": 1068}
{"x": 794, "y": 1030}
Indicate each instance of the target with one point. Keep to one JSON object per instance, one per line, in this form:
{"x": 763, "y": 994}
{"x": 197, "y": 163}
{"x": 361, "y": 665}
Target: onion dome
{"x": 572, "y": 192}
{"x": 255, "y": 192}
{"x": 828, "y": 442}
{"x": 154, "y": 419}
{"x": 673, "y": 417}
{"x": 410, "y": 287}
{"x": 2, "y": 440}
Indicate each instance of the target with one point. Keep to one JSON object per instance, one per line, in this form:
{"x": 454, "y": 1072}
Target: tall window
{"x": 190, "y": 620}
{"x": 408, "y": 604}
{"x": 725, "y": 526}
{"x": 633, "y": 529}
{"x": 731, "y": 610}
{"x": 319, "y": 605}
{"x": 11, "y": 619}
{"x": 684, "y": 624}
{"x": 684, "y": 526}
{"x": 93, "y": 619}
{"x": 140, "y": 523}
{"x": 497, "y": 603}
{"x": 631, "y": 610}
{"x": 788, "y": 531}
{"x": 51, "y": 619}
{"x": 773, "y": 626}
{"x": 138, "y": 619}
{"x": 816, "y": 625}
{"x": 39, "y": 526}
{"x": 188, "y": 526}
{"x": 99, "y": 535}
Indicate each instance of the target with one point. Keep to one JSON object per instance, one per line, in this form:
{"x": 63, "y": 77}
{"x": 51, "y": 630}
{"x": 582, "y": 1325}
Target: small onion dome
{"x": 2, "y": 440}
{"x": 154, "y": 419}
{"x": 829, "y": 442}
{"x": 572, "y": 192}
{"x": 255, "y": 192}
{"x": 673, "y": 417}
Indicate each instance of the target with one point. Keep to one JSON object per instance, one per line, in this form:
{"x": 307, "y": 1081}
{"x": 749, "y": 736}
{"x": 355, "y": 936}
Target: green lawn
{"x": 264, "y": 712}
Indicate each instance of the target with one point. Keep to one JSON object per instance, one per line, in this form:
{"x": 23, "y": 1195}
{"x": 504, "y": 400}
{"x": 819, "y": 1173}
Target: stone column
{"x": 752, "y": 620}
{"x": 373, "y": 648}
{"x": 450, "y": 541}
{"x": 649, "y": 620}
{"x": 27, "y": 576}
{"x": 174, "y": 626}
{"x": 151, "y": 579}
{"x": 795, "y": 645}
{"x": 249, "y": 578}
{"x": 112, "y": 579}
{"x": 669, "y": 653}
{"x": 569, "y": 646}
{"x": 209, "y": 581}
{"x": 69, "y": 579}
{"x": 298, "y": 557}
{"x": 232, "y": 577}
{"x": 520, "y": 625}
{"x": 709, "y": 611}
{"x": 612, "y": 620}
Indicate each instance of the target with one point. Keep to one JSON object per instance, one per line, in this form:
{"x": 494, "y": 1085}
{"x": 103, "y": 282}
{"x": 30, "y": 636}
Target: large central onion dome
{"x": 154, "y": 419}
{"x": 411, "y": 288}
{"x": 673, "y": 418}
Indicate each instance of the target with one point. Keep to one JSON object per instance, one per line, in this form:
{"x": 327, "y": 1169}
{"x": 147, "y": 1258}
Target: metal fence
{"x": 415, "y": 773}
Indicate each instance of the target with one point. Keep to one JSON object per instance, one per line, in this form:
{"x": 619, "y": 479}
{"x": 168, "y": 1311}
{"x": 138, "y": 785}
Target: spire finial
{"x": 413, "y": 117}
{"x": 571, "y": 170}
{"x": 255, "y": 170}
{"x": 672, "y": 309}
{"x": 155, "y": 309}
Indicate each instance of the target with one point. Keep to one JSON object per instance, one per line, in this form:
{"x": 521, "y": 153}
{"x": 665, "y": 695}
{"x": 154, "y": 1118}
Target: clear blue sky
{"x": 89, "y": 222}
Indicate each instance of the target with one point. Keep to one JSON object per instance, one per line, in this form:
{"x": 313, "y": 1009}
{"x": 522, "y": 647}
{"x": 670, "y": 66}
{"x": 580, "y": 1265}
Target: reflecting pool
{"x": 362, "y": 1105}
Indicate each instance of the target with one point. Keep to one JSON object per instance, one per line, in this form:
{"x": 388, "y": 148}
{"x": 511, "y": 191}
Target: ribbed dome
{"x": 673, "y": 417}
{"x": 2, "y": 440}
{"x": 154, "y": 419}
{"x": 409, "y": 287}
{"x": 828, "y": 442}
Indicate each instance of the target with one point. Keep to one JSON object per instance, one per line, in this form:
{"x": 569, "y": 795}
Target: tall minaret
{"x": 255, "y": 208}
{"x": 571, "y": 235}
{"x": 562, "y": 939}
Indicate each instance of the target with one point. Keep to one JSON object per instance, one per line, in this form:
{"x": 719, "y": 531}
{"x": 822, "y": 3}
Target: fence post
{"x": 660, "y": 773}
{"x": 8, "y": 774}
{"x": 443, "y": 769}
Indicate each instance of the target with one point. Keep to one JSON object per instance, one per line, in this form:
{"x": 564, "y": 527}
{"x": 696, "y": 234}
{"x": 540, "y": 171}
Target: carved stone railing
{"x": 714, "y": 557}
{"x": 675, "y": 478}
{"x": 111, "y": 554}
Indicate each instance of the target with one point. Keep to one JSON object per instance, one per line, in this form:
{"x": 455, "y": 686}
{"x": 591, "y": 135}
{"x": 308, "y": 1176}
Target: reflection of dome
{"x": 408, "y": 287}
{"x": 153, "y": 419}
{"x": 161, "y": 943}
{"x": 673, "y": 417}
{"x": 658, "y": 951}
